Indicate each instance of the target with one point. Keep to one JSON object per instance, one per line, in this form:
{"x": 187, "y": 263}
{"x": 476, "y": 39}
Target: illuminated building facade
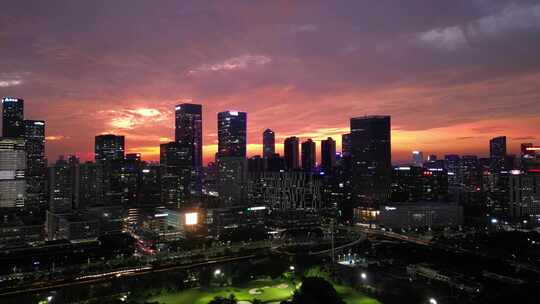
{"x": 12, "y": 117}
{"x": 12, "y": 173}
{"x": 371, "y": 158}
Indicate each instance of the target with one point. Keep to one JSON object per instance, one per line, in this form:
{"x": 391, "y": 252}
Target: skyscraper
{"x": 61, "y": 186}
{"x": 188, "y": 134}
{"x": 418, "y": 158}
{"x": 497, "y": 147}
{"x": 497, "y": 152}
{"x": 177, "y": 179}
{"x": 12, "y": 117}
{"x": 109, "y": 147}
{"x": 328, "y": 155}
{"x": 232, "y": 130}
{"x": 36, "y": 168}
{"x": 346, "y": 144}
{"x": 12, "y": 173}
{"x": 269, "y": 143}
{"x": 292, "y": 154}
{"x": 371, "y": 158}
{"x": 308, "y": 155}
{"x": 231, "y": 156}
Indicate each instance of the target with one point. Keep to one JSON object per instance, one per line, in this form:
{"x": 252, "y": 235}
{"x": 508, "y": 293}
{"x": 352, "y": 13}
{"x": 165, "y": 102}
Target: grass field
{"x": 268, "y": 291}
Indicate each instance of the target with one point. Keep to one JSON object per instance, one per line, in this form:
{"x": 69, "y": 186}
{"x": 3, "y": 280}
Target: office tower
{"x": 292, "y": 153}
{"x": 308, "y": 155}
{"x": 497, "y": 153}
{"x": 418, "y": 158}
{"x": 12, "y": 117}
{"x": 12, "y": 173}
{"x": 232, "y": 174}
{"x": 346, "y": 145}
{"x": 328, "y": 155}
{"x": 90, "y": 187}
{"x": 232, "y": 129}
{"x": 36, "y": 168}
{"x": 188, "y": 133}
{"x": 432, "y": 158}
{"x": 371, "y": 158}
{"x": 497, "y": 147}
{"x": 109, "y": 147}
{"x": 452, "y": 166}
{"x": 470, "y": 173}
{"x": 177, "y": 179}
{"x": 61, "y": 188}
{"x": 524, "y": 197}
{"x": 231, "y": 157}
{"x": 269, "y": 143}
{"x": 150, "y": 190}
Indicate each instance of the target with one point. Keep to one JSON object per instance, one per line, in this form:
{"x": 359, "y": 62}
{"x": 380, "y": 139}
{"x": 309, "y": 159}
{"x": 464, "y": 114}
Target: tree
{"x": 316, "y": 290}
{"x": 221, "y": 300}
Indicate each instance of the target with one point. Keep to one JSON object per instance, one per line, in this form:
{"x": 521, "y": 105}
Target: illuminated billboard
{"x": 192, "y": 218}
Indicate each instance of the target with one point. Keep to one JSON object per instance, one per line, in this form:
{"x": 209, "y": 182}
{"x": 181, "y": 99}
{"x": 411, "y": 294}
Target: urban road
{"x": 149, "y": 269}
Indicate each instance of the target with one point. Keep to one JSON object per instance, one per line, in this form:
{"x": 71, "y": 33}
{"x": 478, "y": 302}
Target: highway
{"x": 103, "y": 277}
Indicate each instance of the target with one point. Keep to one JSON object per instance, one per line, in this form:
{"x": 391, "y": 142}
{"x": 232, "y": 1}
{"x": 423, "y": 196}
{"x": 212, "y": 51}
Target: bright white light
{"x": 257, "y": 208}
{"x": 432, "y": 301}
{"x": 233, "y": 113}
{"x": 494, "y": 221}
{"x": 363, "y": 275}
{"x": 192, "y": 218}
{"x": 49, "y": 298}
{"x": 217, "y": 272}
{"x": 291, "y": 268}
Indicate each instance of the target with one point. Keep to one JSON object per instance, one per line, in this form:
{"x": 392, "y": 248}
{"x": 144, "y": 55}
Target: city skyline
{"x": 439, "y": 70}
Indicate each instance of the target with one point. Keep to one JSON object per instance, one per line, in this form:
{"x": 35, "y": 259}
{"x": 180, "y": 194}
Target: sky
{"x": 452, "y": 74}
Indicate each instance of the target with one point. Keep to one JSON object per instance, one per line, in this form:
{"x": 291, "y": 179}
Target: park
{"x": 266, "y": 290}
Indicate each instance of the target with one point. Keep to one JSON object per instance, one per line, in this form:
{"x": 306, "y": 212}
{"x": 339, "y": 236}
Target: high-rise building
{"x": 109, "y": 147}
{"x": 12, "y": 117}
{"x": 417, "y": 158}
{"x": 12, "y": 173}
{"x": 452, "y": 165}
{"x": 432, "y": 158}
{"x": 232, "y": 132}
{"x": 346, "y": 145}
{"x": 497, "y": 153}
{"x": 231, "y": 157}
{"x": 232, "y": 175}
{"x": 371, "y": 158}
{"x": 188, "y": 134}
{"x": 328, "y": 155}
{"x": 269, "y": 143}
{"x": 292, "y": 153}
{"x": 90, "y": 187}
{"x": 177, "y": 179}
{"x": 308, "y": 155}
{"x": 61, "y": 186}
{"x": 36, "y": 168}
{"x": 497, "y": 147}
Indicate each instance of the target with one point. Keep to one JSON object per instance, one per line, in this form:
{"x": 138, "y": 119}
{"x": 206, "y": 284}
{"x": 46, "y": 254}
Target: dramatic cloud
{"x": 450, "y": 73}
{"x": 235, "y": 63}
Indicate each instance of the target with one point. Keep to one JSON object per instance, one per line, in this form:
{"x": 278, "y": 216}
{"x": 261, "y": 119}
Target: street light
{"x": 432, "y": 301}
{"x": 291, "y": 268}
{"x": 49, "y": 299}
{"x": 363, "y": 275}
{"x": 217, "y": 272}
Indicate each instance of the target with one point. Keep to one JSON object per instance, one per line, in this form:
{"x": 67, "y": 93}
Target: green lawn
{"x": 268, "y": 291}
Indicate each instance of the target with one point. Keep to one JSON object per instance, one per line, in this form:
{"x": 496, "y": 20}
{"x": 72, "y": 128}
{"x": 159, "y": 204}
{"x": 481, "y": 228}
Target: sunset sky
{"x": 451, "y": 73}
